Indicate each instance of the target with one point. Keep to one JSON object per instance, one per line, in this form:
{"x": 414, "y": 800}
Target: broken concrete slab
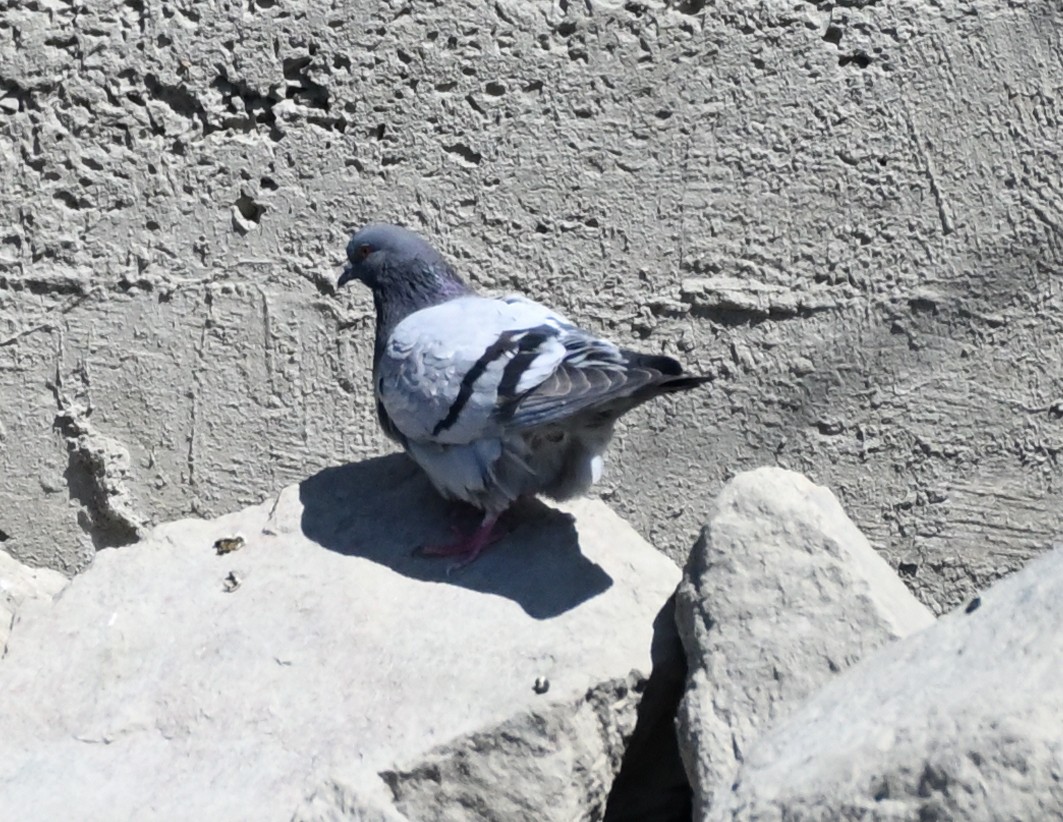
{"x": 316, "y": 666}
{"x": 780, "y": 593}
{"x": 18, "y": 584}
{"x": 964, "y": 720}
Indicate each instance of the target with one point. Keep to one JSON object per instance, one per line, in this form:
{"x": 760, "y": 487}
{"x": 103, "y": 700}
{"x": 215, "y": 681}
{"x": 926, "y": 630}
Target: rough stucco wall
{"x": 853, "y": 214}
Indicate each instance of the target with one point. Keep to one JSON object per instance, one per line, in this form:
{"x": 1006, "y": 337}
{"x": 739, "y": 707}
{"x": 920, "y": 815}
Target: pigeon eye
{"x": 363, "y": 251}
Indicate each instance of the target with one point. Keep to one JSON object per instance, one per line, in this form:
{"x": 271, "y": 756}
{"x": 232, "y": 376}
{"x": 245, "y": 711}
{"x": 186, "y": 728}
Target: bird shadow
{"x": 383, "y": 509}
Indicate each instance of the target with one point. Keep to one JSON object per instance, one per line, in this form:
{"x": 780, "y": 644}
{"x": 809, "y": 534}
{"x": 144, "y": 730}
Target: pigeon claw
{"x": 466, "y": 549}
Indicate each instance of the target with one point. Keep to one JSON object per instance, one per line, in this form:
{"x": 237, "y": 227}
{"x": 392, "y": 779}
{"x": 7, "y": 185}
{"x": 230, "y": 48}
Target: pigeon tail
{"x": 684, "y": 382}
{"x": 656, "y": 362}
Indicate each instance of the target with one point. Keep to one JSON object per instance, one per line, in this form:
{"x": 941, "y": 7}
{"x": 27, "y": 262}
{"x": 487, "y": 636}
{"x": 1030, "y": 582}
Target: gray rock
{"x": 18, "y": 584}
{"x": 780, "y": 593}
{"x": 314, "y": 667}
{"x": 961, "y": 721}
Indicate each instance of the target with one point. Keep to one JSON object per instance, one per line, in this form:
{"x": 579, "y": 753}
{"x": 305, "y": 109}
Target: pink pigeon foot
{"x": 466, "y": 549}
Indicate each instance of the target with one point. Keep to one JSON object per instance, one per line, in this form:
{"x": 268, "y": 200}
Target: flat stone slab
{"x": 320, "y": 668}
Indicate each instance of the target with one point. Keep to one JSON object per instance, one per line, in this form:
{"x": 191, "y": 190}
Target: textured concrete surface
{"x": 780, "y": 594}
{"x": 853, "y": 213}
{"x": 319, "y": 667}
{"x": 961, "y": 721}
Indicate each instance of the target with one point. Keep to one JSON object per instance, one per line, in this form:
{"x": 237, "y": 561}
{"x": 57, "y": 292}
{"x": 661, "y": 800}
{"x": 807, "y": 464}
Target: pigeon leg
{"x": 466, "y": 549}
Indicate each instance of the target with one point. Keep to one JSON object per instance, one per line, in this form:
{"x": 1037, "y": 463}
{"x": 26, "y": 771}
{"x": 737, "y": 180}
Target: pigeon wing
{"x": 445, "y": 370}
{"x": 597, "y": 378}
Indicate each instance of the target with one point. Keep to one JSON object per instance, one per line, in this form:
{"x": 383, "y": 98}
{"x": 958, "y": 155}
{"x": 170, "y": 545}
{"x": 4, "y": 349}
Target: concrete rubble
{"x": 963, "y": 720}
{"x": 20, "y": 584}
{"x": 820, "y": 689}
{"x": 781, "y": 592}
{"x": 298, "y": 660}
{"x": 294, "y": 658}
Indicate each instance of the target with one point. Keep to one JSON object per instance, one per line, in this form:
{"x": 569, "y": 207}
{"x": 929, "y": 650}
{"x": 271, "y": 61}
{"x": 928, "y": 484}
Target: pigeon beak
{"x": 345, "y": 277}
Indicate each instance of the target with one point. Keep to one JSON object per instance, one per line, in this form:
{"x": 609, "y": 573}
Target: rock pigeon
{"x": 495, "y": 399}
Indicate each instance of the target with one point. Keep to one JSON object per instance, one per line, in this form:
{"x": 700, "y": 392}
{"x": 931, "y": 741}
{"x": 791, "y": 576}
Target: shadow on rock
{"x": 384, "y": 508}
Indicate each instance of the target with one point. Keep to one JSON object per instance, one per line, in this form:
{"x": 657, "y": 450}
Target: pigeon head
{"x": 386, "y": 256}
{"x": 404, "y": 272}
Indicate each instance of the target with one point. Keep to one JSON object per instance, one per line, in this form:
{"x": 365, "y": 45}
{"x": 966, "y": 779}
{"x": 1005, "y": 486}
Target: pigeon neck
{"x": 393, "y": 305}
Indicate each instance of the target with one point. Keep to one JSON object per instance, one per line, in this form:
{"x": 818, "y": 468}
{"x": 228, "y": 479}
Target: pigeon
{"x": 494, "y": 398}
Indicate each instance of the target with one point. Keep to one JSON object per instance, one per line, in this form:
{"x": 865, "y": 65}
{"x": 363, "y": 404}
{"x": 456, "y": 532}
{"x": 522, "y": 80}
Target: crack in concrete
{"x": 97, "y": 471}
{"x": 43, "y": 324}
{"x": 948, "y": 224}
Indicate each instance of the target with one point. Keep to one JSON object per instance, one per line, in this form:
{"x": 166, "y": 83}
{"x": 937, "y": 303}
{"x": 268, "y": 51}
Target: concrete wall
{"x": 853, "y": 214}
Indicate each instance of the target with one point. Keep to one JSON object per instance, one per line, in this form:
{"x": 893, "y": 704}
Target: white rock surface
{"x": 18, "y": 584}
{"x": 342, "y": 673}
{"x": 780, "y": 593}
{"x": 962, "y": 721}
